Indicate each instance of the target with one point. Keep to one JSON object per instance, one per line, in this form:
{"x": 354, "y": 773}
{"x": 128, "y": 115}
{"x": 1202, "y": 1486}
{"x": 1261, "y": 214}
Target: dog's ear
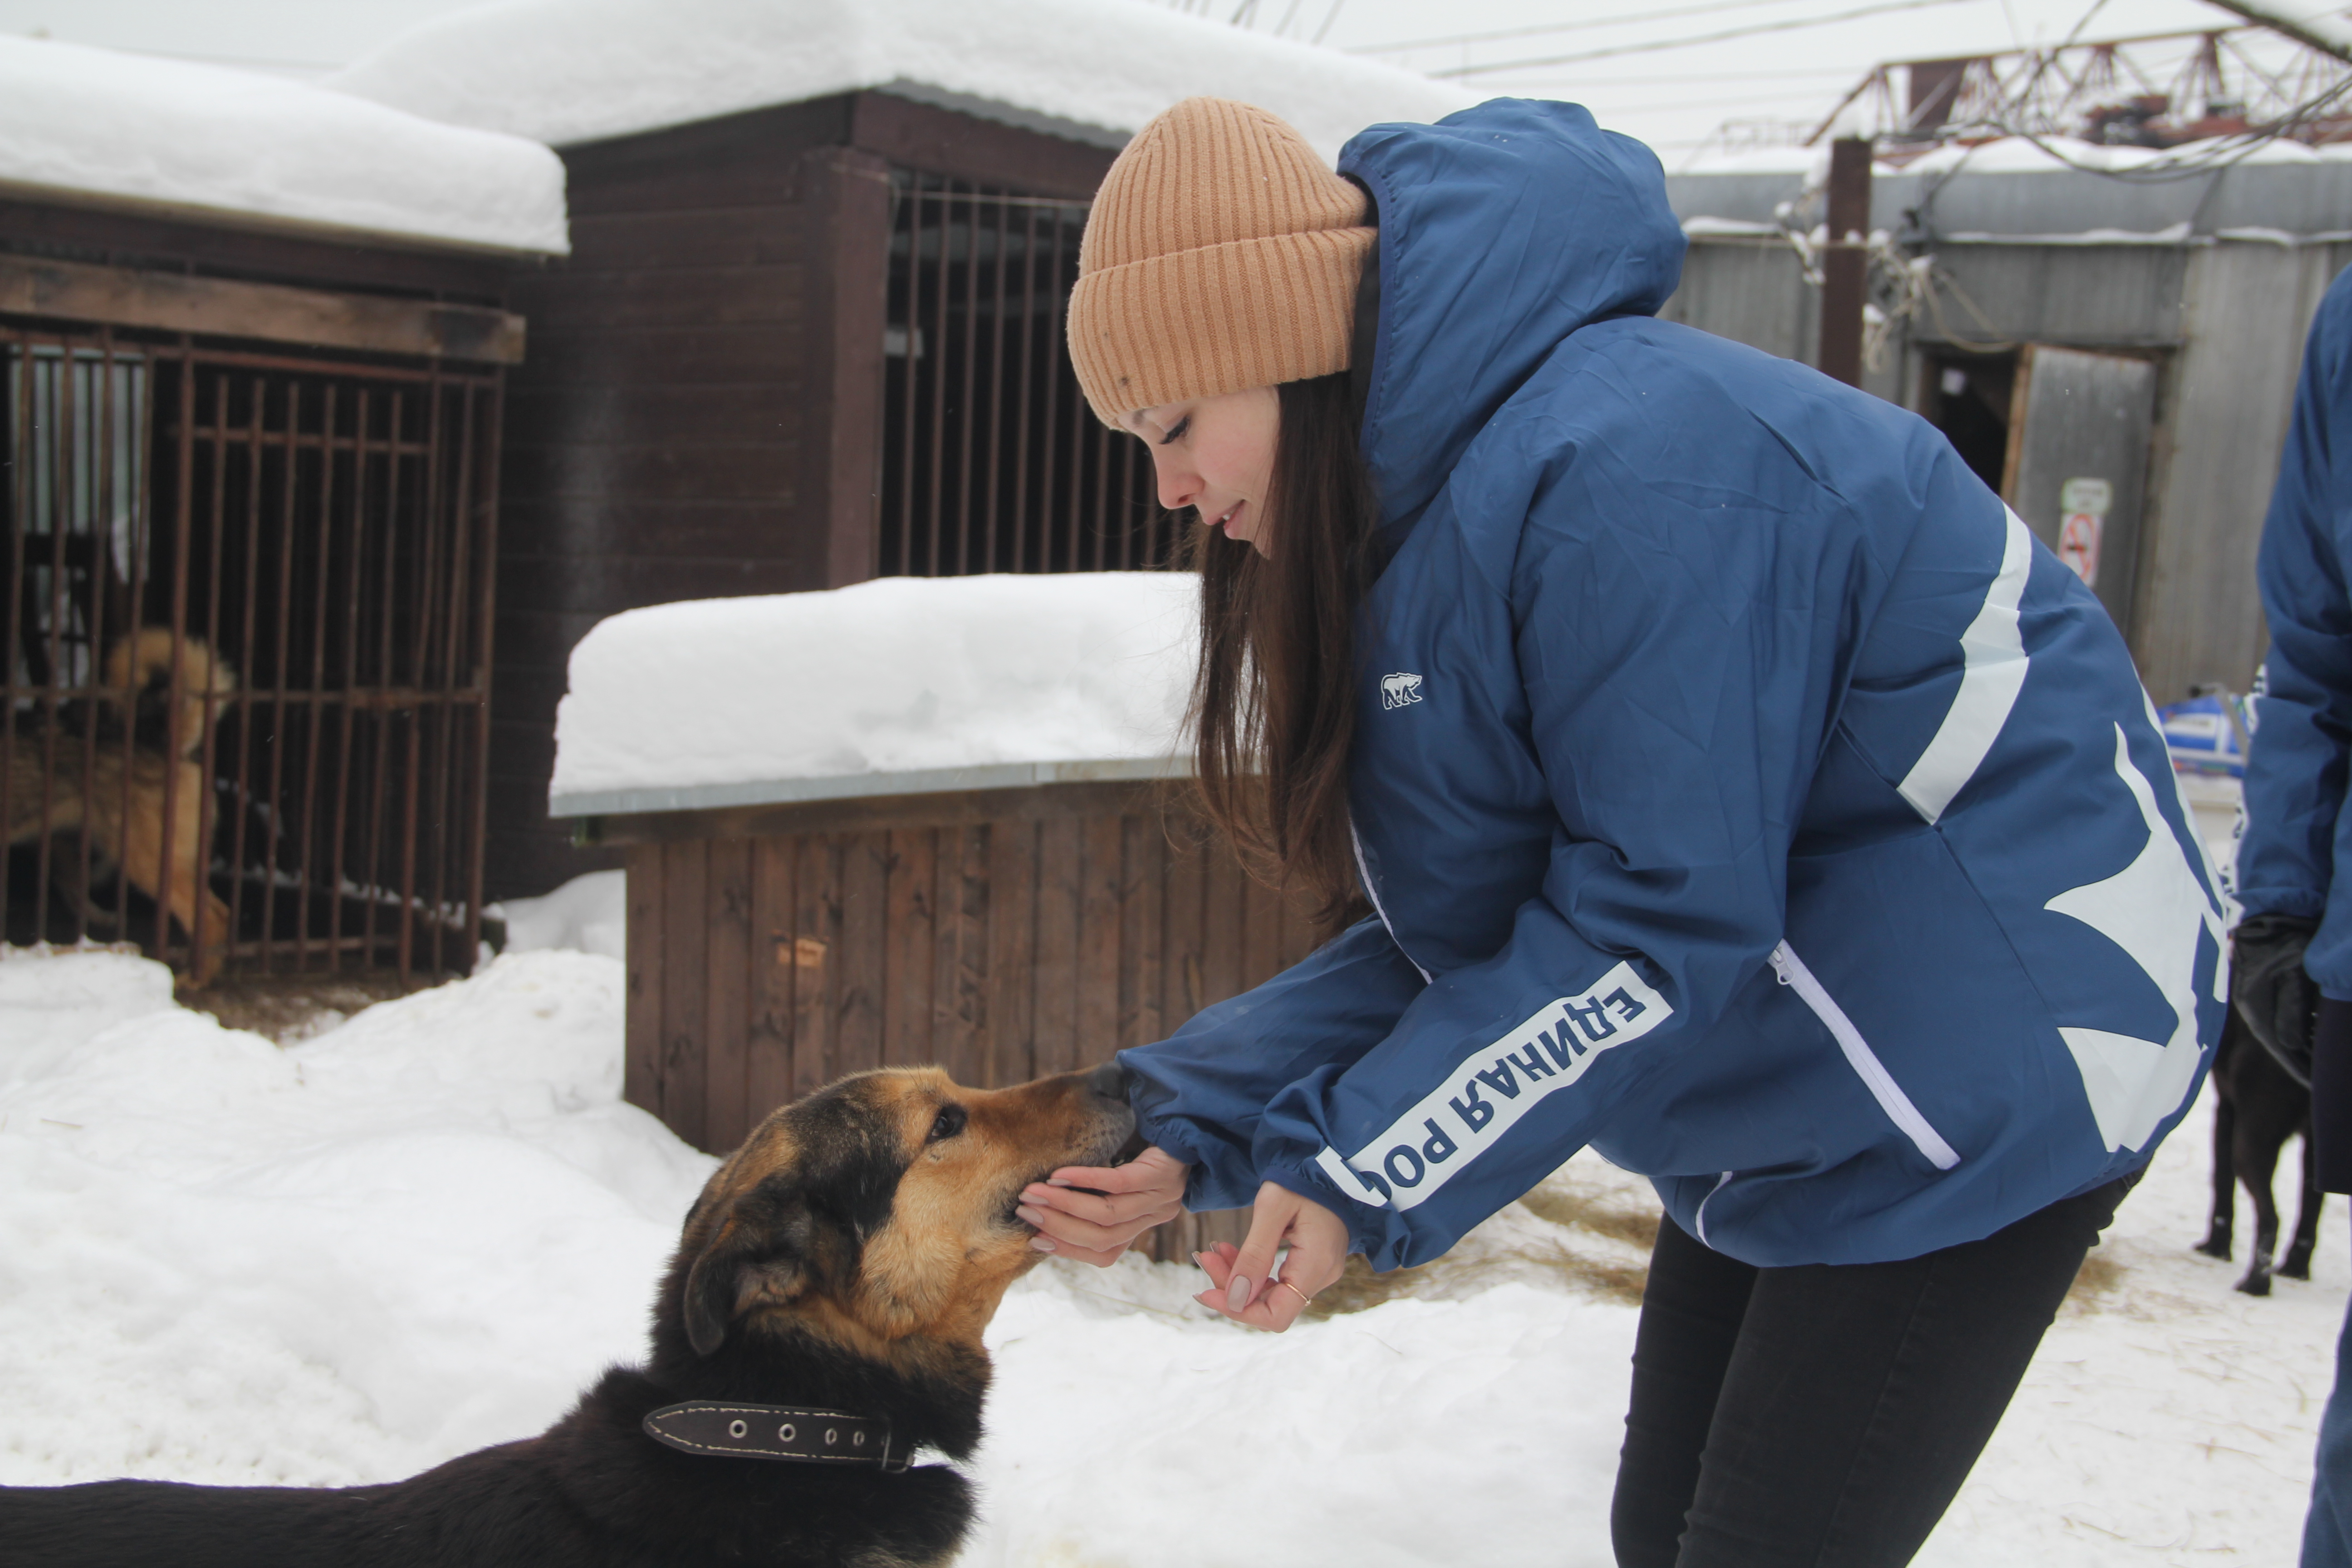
{"x": 758, "y": 1254}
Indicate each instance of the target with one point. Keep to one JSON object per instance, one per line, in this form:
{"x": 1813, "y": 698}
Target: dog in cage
{"x": 121, "y": 780}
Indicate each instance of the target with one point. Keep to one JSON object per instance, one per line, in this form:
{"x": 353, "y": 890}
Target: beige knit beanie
{"x": 1221, "y": 255}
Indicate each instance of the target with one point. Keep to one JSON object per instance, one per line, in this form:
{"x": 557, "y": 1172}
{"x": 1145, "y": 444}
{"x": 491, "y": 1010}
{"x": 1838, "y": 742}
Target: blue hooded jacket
{"x": 1745, "y": 793}
{"x": 2296, "y": 832}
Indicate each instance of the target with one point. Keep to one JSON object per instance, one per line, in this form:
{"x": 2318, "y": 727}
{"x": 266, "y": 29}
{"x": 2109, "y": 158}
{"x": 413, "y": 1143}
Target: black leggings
{"x": 1825, "y": 1415}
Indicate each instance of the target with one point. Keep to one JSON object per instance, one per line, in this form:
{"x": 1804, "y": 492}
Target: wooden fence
{"x": 1002, "y": 934}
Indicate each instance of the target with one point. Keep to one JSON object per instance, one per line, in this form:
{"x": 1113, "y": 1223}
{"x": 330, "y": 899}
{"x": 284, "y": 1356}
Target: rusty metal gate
{"x": 991, "y": 461}
{"x": 247, "y": 613}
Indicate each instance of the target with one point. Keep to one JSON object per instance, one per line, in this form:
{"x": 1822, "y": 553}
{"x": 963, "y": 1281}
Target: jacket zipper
{"x": 1364, "y": 875}
{"x": 1883, "y": 1087}
{"x": 1700, "y": 1215}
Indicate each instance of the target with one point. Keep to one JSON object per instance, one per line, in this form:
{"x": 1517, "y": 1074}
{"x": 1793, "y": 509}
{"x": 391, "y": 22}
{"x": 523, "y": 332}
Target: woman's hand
{"x": 1240, "y": 1286}
{"x": 1095, "y": 1227}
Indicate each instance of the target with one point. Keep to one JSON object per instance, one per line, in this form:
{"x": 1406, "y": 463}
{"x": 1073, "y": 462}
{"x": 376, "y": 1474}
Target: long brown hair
{"x": 1273, "y": 706}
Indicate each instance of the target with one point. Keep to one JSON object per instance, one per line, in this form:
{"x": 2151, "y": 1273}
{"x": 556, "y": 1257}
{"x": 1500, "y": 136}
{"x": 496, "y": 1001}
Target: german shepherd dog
{"x": 819, "y": 1322}
{"x": 115, "y": 790}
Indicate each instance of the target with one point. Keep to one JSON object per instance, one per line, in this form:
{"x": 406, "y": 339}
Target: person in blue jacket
{"x": 2294, "y": 945}
{"x": 1740, "y": 790}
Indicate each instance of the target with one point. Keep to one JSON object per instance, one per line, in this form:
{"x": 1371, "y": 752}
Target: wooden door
{"x": 2079, "y": 429}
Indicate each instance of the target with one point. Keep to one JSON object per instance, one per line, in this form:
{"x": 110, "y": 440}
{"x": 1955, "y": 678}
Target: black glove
{"x": 2278, "y": 1001}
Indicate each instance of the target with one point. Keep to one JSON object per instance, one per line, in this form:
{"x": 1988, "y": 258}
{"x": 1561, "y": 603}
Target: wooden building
{"x": 251, "y": 446}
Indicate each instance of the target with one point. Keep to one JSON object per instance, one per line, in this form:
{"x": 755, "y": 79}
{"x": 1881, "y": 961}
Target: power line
{"x": 2311, "y": 32}
{"x": 1653, "y": 46}
{"x": 1542, "y": 29}
{"x": 1617, "y": 110}
{"x": 1680, "y": 79}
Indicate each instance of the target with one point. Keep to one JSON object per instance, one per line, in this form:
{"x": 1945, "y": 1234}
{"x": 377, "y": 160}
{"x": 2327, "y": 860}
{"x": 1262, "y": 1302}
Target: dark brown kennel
{"x": 793, "y": 348}
{"x": 1000, "y": 934}
{"x": 273, "y": 459}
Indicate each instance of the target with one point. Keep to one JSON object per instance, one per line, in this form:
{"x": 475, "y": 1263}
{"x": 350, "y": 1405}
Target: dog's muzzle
{"x": 1108, "y": 1081}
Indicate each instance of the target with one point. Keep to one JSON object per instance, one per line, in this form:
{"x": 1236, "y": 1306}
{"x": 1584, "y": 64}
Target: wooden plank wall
{"x": 761, "y": 968}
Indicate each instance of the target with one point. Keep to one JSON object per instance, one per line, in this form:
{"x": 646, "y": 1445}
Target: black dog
{"x": 2259, "y": 1106}
{"x": 821, "y": 1321}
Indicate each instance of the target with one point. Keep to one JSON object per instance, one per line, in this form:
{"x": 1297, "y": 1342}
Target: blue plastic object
{"x": 2207, "y": 734}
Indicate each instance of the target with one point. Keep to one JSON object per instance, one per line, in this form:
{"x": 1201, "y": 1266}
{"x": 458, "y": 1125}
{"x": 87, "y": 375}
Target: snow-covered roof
{"x": 582, "y": 71}
{"x": 83, "y": 125}
{"x": 900, "y": 685}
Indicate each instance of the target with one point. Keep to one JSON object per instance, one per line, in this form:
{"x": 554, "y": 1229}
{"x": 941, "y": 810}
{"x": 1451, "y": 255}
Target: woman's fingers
{"x": 1069, "y": 1231}
{"x": 1253, "y": 1268}
{"x": 1318, "y": 1240}
{"x": 1282, "y": 1305}
{"x": 1273, "y": 1313}
{"x": 1095, "y": 1208}
{"x": 1150, "y": 1188}
{"x": 1318, "y": 1252}
{"x": 1154, "y": 1169}
{"x": 1217, "y": 1263}
{"x": 1096, "y": 1226}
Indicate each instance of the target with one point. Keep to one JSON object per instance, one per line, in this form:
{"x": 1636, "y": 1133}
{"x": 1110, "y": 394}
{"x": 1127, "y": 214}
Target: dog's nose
{"x": 1109, "y": 1082}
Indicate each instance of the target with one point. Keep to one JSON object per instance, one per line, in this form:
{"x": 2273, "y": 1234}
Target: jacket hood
{"x": 1503, "y": 229}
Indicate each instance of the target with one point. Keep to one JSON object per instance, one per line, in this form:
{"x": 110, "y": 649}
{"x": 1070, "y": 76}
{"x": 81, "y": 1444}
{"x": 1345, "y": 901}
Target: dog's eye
{"x": 947, "y": 1124}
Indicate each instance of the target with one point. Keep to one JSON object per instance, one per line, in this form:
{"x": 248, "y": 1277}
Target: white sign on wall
{"x": 2083, "y": 505}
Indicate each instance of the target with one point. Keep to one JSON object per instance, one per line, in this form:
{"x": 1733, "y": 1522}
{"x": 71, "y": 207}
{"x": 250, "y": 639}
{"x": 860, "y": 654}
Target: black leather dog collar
{"x": 776, "y": 1432}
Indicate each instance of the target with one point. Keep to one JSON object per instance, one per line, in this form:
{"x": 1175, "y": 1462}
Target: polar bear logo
{"x": 1396, "y": 690}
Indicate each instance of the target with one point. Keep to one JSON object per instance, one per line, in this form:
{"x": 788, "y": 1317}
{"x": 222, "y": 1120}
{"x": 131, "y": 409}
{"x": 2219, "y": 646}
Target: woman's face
{"x": 1215, "y": 454}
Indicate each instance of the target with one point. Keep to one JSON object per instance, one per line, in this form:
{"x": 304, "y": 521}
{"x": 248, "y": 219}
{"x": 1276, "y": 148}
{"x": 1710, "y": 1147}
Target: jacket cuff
{"x": 2297, "y": 903}
{"x": 1221, "y": 1176}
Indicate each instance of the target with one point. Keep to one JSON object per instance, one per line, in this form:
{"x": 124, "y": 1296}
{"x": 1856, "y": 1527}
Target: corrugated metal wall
{"x": 2225, "y": 321}
{"x": 2221, "y": 418}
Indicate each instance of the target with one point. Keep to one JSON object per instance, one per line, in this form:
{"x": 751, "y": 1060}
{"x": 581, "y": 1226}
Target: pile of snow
{"x": 588, "y": 914}
{"x": 427, "y": 1230}
{"x": 78, "y": 123}
{"x": 713, "y": 702}
{"x": 417, "y": 1233}
{"x": 581, "y": 70}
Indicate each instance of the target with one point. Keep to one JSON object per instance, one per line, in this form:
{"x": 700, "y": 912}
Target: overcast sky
{"x": 1674, "y": 97}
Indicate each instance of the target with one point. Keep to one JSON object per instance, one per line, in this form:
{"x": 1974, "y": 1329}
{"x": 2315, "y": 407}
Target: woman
{"x": 1741, "y": 791}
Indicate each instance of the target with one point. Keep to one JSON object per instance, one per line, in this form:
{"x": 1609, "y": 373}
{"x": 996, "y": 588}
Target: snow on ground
{"x": 337, "y": 1263}
{"x": 80, "y": 122}
{"x": 581, "y": 70}
{"x": 898, "y": 675}
{"x": 426, "y": 1229}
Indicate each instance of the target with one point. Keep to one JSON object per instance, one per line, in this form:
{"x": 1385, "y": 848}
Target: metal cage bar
{"x": 316, "y": 530}
{"x": 992, "y": 459}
